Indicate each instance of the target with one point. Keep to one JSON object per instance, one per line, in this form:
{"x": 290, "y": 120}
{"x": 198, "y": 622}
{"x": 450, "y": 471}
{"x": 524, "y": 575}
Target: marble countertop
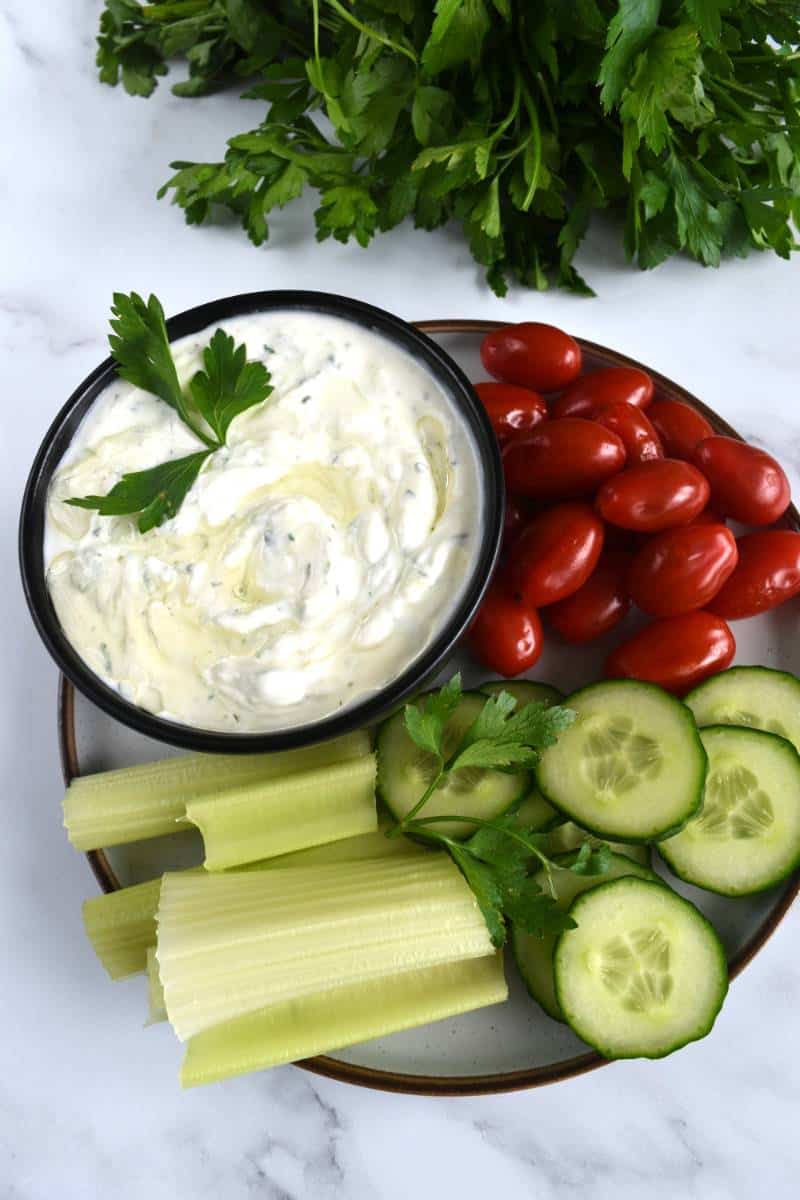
{"x": 89, "y": 1106}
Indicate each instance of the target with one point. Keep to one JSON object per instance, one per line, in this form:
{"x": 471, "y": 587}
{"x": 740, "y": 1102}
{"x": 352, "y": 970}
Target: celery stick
{"x": 232, "y": 943}
{"x": 155, "y": 992}
{"x": 325, "y": 1021}
{"x": 121, "y": 925}
{"x": 352, "y": 849}
{"x": 262, "y": 820}
{"x": 133, "y": 803}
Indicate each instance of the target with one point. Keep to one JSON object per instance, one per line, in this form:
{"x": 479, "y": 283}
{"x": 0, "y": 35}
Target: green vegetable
{"x": 330, "y": 1019}
{"x": 495, "y": 861}
{"x": 110, "y": 808}
{"x": 228, "y": 386}
{"x": 519, "y": 121}
{"x": 234, "y": 942}
{"x": 121, "y": 925}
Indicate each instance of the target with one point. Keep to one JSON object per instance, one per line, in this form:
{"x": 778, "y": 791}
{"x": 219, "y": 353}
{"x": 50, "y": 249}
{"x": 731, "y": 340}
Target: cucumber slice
{"x": 746, "y": 837}
{"x": 631, "y": 767}
{"x": 643, "y": 974}
{"x": 568, "y": 836}
{"x": 534, "y": 955}
{"x": 524, "y": 691}
{"x": 534, "y": 812}
{"x": 756, "y": 697}
{"x": 405, "y": 771}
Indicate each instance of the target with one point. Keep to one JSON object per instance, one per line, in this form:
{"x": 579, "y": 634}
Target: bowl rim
{"x": 494, "y": 1083}
{"x": 372, "y": 707}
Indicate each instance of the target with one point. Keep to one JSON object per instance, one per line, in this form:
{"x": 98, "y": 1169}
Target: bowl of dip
{"x": 324, "y": 563}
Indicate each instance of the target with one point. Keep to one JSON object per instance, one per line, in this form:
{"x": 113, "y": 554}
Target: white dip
{"x": 316, "y": 555}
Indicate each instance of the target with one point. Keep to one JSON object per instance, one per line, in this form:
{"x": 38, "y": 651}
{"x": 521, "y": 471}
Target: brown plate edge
{"x": 459, "y": 1085}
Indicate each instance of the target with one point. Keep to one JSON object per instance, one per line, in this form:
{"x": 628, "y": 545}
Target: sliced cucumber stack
{"x": 754, "y": 697}
{"x": 534, "y": 955}
{"x": 534, "y": 811}
{"x": 746, "y": 838}
{"x": 405, "y": 771}
{"x": 643, "y": 974}
{"x": 631, "y": 767}
{"x": 524, "y": 691}
{"x": 569, "y": 836}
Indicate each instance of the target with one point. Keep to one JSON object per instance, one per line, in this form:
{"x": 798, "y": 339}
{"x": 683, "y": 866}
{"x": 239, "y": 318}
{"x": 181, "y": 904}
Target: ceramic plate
{"x": 512, "y": 1045}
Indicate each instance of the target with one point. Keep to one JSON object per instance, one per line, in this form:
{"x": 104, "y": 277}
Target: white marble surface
{"x": 89, "y": 1103}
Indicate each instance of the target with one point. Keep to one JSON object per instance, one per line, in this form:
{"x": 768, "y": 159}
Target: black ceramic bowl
{"x": 376, "y": 706}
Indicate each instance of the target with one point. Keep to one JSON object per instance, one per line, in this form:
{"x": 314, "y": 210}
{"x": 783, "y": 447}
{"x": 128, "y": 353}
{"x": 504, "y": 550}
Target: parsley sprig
{"x": 496, "y": 860}
{"x": 228, "y": 386}
{"x": 518, "y": 121}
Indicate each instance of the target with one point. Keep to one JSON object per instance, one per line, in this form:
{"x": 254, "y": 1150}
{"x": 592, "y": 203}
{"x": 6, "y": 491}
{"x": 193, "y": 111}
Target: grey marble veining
{"x": 89, "y": 1102}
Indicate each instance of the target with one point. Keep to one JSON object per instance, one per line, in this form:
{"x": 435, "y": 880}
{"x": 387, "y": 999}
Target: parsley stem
{"x": 369, "y": 32}
{"x": 401, "y": 826}
{"x": 546, "y": 862}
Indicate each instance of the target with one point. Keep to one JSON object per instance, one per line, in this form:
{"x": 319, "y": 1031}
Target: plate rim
{"x": 494, "y": 1083}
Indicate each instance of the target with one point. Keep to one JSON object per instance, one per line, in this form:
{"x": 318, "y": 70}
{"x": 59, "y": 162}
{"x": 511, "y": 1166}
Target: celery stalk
{"x": 236, "y": 942}
{"x": 132, "y": 803}
{"x": 155, "y": 992}
{"x": 352, "y": 849}
{"x": 325, "y": 1021}
{"x": 265, "y": 819}
{"x": 121, "y": 925}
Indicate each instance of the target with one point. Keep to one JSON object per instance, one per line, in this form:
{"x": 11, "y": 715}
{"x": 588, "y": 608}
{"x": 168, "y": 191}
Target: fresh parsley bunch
{"x": 228, "y": 385}
{"x": 496, "y": 860}
{"x": 518, "y": 120}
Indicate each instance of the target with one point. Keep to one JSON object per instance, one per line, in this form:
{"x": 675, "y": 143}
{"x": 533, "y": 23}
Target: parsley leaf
{"x": 153, "y": 496}
{"x": 426, "y": 722}
{"x": 229, "y": 385}
{"x": 497, "y": 858}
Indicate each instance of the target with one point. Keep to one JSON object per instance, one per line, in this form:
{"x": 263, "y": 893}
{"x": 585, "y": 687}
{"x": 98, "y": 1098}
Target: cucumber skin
{"x": 723, "y": 961}
{"x": 651, "y": 839}
{"x": 550, "y": 694}
{"x": 775, "y": 879}
{"x": 739, "y": 672}
{"x": 381, "y": 796}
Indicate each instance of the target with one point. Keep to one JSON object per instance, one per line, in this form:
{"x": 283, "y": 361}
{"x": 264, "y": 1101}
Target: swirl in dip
{"x": 314, "y": 558}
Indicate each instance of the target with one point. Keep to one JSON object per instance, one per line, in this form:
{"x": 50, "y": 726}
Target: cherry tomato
{"x": 513, "y": 521}
{"x": 555, "y": 554}
{"x": 512, "y": 410}
{"x": 767, "y": 574}
{"x": 597, "y": 390}
{"x": 562, "y": 459}
{"x": 596, "y": 607}
{"x": 679, "y": 426}
{"x": 533, "y": 355}
{"x": 746, "y": 483}
{"x": 652, "y": 496}
{"x": 681, "y": 569}
{"x": 635, "y": 431}
{"x": 506, "y": 636}
{"x": 676, "y": 652}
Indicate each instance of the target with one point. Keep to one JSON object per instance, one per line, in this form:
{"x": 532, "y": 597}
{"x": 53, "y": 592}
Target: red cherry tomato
{"x": 512, "y": 410}
{"x": 767, "y": 574}
{"x": 596, "y": 607}
{"x": 555, "y": 554}
{"x": 634, "y": 430}
{"x": 746, "y": 483}
{"x": 676, "y": 652}
{"x": 597, "y": 390}
{"x": 533, "y": 355}
{"x": 512, "y": 522}
{"x": 679, "y": 426}
{"x": 681, "y": 569}
{"x": 506, "y": 636}
{"x": 561, "y": 459}
{"x": 652, "y": 496}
